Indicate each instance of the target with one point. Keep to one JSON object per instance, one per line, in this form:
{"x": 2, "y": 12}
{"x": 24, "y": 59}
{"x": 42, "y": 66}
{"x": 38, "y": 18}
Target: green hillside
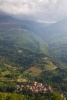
{"x": 56, "y": 37}
{"x": 21, "y": 38}
{"x": 58, "y": 48}
{"x": 25, "y": 56}
{"x": 12, "y": 33}
{"x": 15, "y": 96}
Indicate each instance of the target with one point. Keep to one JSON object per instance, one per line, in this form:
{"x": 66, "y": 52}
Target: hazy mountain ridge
{"x": 56, "y": 36}
{"x": 11, "y": 29}
{"x": 31, "y": 34}
{"x": 23, "y": 51}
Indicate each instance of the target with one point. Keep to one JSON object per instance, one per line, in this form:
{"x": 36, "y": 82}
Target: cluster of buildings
{"x": 36, "y": 87}
{"x": 39, "y": 87}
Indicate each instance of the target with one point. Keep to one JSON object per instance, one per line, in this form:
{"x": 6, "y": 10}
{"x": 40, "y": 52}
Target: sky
{"x": 41, "y": 10}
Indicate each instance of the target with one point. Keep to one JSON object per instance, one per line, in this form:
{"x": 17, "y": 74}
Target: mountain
{"x": 28, "y": 51}
{"x": 12, "y": 30}
{"x": 34, "y": 26}
{"x": 56, "y": 29}
{"x": 50, "y": 39}
{"x": 56, "y": 37}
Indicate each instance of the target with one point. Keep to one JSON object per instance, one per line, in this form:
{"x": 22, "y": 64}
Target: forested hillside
{"x": 14, "y": 96}
{"x": 26, "y": 55}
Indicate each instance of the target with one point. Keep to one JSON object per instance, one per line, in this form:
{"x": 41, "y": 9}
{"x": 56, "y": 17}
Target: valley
{"x": 32, "y": 51}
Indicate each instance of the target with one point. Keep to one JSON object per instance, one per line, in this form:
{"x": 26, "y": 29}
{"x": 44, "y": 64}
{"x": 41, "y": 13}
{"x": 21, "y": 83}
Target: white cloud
{"x": 40, "y": 9}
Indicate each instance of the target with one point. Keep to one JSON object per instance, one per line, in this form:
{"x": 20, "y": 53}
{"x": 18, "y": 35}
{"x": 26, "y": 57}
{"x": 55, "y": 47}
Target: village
{"x": 37, "y": 87}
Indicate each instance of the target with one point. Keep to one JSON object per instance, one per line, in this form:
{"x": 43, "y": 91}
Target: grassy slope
{"x": 45, "y": 64}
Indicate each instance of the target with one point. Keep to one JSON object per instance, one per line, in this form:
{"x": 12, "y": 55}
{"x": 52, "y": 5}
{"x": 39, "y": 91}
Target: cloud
{"x": 47, "y": 10}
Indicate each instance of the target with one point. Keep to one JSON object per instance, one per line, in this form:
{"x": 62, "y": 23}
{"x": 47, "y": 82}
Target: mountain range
{"x": 34, "y": 51}
{"x": 50, "y": 39}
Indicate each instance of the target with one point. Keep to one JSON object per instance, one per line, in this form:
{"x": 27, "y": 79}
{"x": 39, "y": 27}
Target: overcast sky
{"x": 42, "y": 10}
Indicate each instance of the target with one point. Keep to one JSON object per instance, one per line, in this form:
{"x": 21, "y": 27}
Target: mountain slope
{"x": 56, "y": 36}
{"x": 11, "y": 31}
{"x": 23, "y": 55}
{"x": 23, "y": 39}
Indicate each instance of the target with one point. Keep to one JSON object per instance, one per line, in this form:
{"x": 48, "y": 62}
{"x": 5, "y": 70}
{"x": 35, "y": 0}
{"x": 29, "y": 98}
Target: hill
{"x": 11, "y": 31}
{"x": 54, "y": 34}
{"x": 56, "y": 37}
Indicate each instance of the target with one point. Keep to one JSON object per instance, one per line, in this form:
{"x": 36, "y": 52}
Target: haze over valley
{"x": 33, "y": 48}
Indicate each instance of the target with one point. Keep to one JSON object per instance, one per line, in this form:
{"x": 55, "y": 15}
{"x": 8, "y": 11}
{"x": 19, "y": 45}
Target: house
{"x": 22, "y": 86}
{"x": 62, "y": 95}
{"x": 18, "y": 87}
{"x": 39, "y": 85}
{"x": 35, "y": 83}
{"x": 50, "y": 89}
{"x": 45, "y": 89}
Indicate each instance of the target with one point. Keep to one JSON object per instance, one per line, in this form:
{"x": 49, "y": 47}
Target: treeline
{"x": 14, "y": 96}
